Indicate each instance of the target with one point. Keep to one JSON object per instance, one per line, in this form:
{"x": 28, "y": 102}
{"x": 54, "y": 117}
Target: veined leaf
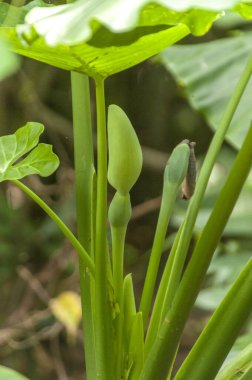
{"x": 209, "y": 73}
{"x": 9, "y": 374}
{"x": 41, "y": 160}
{"x": 102, "y": 37}
{"x": 9, "y": 62}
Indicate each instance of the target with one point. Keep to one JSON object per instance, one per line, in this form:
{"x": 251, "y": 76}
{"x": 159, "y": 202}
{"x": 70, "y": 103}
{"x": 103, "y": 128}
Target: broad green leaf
{"x": 209, "y": 73}
{"x": 103, "y": 37}
{"x": 9, "y": 374}
{"x": 76, "y": 22}
{"x": 9, "y": 62}
{"x": 41, "y": 160}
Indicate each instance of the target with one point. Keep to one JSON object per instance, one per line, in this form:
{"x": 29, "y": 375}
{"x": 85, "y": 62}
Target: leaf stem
{"x": 220, "y": 332}
{"x": 161, "y": 354}
{"x": 101, "y": 297}
{"x": 118, "y": 239}
{"x": 170, "y": 192}
{"x": 84, "y": 175}
{"x": 194, "y": 205}
{"x": 241, "y": 362}
{"x": 177, "y": 257}
{"x": 87, "y": 261}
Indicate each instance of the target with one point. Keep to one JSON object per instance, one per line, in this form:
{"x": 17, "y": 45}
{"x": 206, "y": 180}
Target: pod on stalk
{"x": 125, "y": 154}
{"x": 177, "y": 165}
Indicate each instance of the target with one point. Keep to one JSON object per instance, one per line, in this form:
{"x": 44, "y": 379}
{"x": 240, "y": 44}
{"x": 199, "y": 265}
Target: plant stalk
{"x": 170, "y": 192}
{"x": 162, "y": 353}
{"x": 221, "y": 331}
{"x": 84, "y": 174}
{"x": 83, "y": 255}
{"x": 176, "y": 260}
{"x": 102, "y": 312}
{"x": 118, "y": 238}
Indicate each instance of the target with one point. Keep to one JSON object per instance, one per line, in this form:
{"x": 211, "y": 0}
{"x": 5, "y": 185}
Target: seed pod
{"x": 125, "y": 154}
{"x": 189, "y": 182}
{"x": 177, "y": 165}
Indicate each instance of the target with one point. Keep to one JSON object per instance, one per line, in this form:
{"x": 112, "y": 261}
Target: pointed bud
{"x": 125, "y": 154}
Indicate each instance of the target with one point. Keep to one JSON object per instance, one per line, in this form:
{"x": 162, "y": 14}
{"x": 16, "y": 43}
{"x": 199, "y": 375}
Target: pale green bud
{"x": 125, "y": 154}
{"x": 177, "y": 165}
{"x": 119, "y": 210}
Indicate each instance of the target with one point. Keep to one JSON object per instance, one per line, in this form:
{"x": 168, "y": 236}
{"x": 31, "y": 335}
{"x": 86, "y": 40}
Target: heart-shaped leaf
{"x": 209, "y": 73}
{"x": 104, "y": 37}
{"x": 41, "y": 160}
{"x": 9, "y": 374}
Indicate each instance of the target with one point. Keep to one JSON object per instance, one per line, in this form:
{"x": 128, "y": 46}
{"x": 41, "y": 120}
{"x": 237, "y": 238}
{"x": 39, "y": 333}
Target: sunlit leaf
{"x": 245, "y": 10}
{"x": 76, "y": 22}
{"x": 9, "y": 374}
{"x": 41, "y": 160}
{"x": 209, "y": 73}
{"x": 9, "y": 61}
{"x": 103, "y": 37}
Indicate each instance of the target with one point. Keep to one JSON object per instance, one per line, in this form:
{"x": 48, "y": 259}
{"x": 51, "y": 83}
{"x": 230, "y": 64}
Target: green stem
{"x": 118, "y": 239}
{"x": 221, "y": 331}
{"x": 84, "y": 174}
{"x": 241, "y": 363}
{"x": 87, "y": 261}
{"x": 177, "y": 257}
{"x": 161, "y": 354}
{"x": 159, "y": 301}
{"x": 191, "y": 215}
{"x": 170, "y": 192}
{"x": 101, "y": 297}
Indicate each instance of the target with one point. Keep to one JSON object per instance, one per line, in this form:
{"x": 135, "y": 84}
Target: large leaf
{"x": 73, "y": 23}
{"x": 9, "y": 62}
{"x": 41, "y": 160}
{"x": 209, "y": 72}
{"x": 9, "y": 374}
{"x": 106, "y": 53}
{"x": 102, "y": 37}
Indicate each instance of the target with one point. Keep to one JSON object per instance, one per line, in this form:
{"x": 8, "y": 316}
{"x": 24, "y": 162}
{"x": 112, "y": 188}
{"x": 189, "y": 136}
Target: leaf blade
{"x": 41, "y": 159}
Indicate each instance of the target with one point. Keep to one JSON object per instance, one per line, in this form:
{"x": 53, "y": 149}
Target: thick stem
{"x": 221, "y": 331}
{"x": 84, "y": 174}
{"x": 191, "y": 215}
{"x": 162, "y": 352}
{"x": 102, "y": 338}
{"x": 179, "y": 252}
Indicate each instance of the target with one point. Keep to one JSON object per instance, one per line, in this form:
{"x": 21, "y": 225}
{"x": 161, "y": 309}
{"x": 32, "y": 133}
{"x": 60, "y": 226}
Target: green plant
{"x": 87, "y": 38}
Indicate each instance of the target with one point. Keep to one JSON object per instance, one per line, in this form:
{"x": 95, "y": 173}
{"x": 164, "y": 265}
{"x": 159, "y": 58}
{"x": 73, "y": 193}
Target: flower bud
{"x": 125, "y": 154}
{"x": 177, "y": 165}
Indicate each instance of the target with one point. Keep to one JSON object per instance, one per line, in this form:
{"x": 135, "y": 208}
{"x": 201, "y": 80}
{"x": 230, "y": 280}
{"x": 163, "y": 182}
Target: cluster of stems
{"x": 121, "y": 341}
